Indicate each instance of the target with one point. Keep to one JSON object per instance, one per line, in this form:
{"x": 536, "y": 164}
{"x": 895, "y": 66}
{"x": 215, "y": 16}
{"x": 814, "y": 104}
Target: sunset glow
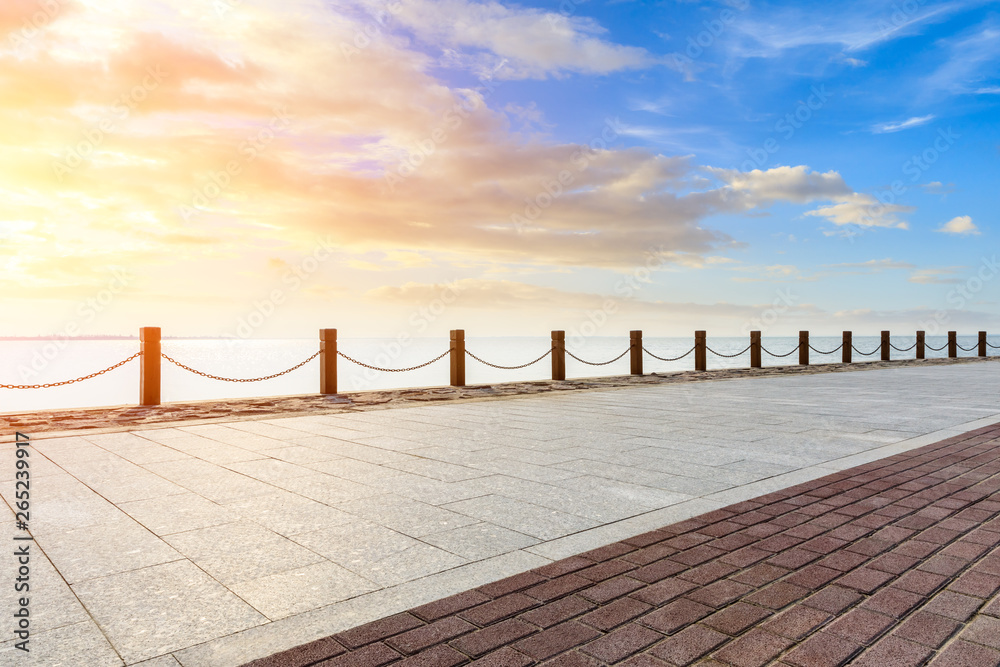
{"x": 185, "y": 163}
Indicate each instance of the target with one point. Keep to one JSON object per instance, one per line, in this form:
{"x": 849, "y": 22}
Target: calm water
{"x": 49, "y": 362}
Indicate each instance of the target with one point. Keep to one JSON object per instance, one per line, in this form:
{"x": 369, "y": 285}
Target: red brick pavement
{"x": 891, "y": 564}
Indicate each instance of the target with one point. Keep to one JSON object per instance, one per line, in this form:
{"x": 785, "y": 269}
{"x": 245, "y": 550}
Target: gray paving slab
{"x": 156, "y": 610}
{"x": 73, "y": 645}
{"x": 240, "y": 551}
{"x": 214, "y": 544}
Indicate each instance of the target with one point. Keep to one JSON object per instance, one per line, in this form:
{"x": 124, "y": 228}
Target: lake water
{"x": 40, "y": 362}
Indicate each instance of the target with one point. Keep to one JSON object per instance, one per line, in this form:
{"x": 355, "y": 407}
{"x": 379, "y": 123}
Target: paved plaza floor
{"x": 894, "y": 563}
{"x": 218, "y": 544}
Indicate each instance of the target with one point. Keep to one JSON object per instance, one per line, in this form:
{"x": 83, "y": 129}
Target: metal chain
{"x": 989, "y": 344}
{"x": 509, "y": 368}
{"x": 781, "y": 355}
{"x": 836, "y": 349}
{"x": 937, "y": 349}
{"x": 866, "y": 354}
{"x": 898, "y": 349}
{"x": 664, "y": 359}
{"x": 967, "y": 349}
{"x": 216, "y": 377}
{"x": 728, "y": 356}
{"x": 80, "y": 379}
{"x": 393, "y": 370}
{"x": 603, "y": 363}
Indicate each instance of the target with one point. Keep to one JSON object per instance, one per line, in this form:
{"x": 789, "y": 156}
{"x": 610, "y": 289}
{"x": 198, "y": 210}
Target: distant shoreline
{"x": 110, "y": 337}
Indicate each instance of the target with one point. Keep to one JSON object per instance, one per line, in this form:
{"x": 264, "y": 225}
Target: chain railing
{"x": 779, "y": 356}
{"x": 671, "y": 358}
{"x": 394, "y": 370}
{"x": 510, "y": 368}
{"x": 225, "y": 379}
{"x": 65, "y": 382}
{"x": 328, "y": 353}
{"x": 729, "y": 356}
{"x": 601, "y": 363}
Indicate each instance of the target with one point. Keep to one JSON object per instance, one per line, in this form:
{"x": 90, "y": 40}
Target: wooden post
{"x": 635, "y": 352}
{"x": 558, "y": 355}
{"x": 885, "y": 346}
{"x": 328, "y": 361}
{"x": 755, "y": 349}
{"x": 149, "y": 374}
{"x": 952, "y": 344}
{"x": 847, "y": 351}
{"x": 804, "y": 348}
{"x": 921, "y": 350}
{"x": 700, "y": 353}
{"x": 982, "y": 343}
{"x": 458, "y": 357}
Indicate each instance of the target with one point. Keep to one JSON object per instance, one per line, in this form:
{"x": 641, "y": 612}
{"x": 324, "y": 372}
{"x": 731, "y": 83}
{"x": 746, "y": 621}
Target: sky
{"x": 262, "y": 169}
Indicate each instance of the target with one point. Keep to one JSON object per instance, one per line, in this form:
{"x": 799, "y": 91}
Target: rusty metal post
{"x": 755, "y": 349}
{"x": 328, "y": 361}
{"x": 458, "y": 357}
{"x": 635, "y": 352}
{"x": 982, "y": 343}
{"x": 885, "y": 346}
{"x": 847, "y": 351}
{"x": 921, "y": 350}
{"x": 700, "y": 353}
{"x": 558, "y": 355}
{"x": 149, "y": 373}
{"x": 804, "y": 348}
{"x": 952, "y": 344}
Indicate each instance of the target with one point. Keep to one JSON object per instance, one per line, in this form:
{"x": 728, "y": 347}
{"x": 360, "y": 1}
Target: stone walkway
{"x": 218, "y": 544}
{"x": 893, "y": 563}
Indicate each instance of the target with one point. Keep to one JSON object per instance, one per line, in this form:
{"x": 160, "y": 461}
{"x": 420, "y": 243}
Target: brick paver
{"x": 892, "y": 563}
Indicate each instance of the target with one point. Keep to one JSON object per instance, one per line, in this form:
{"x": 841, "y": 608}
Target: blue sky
{"x": 864, "y": 90}
{"x": 669, "y": 166}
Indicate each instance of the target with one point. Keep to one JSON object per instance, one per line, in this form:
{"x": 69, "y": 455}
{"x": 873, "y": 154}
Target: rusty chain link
{"x": 728, "y": 356}
{"x": 664, "y": 358}
{"x": 779, "y": 356}
{"x": 509, "y": 368}
{"x": 216, "y": 377}
{"x": 603, "y": 363}
{"x": 393, "y": 370}
{"x": 80, "y": 379}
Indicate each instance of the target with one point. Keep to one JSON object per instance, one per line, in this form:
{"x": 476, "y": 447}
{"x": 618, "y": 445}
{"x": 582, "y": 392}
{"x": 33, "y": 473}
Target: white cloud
{"x": 988, "y": 90}
{"x": 938, "y": 188}
{"x": 959, "y": 225}
{"x": 966, "y": 61}
{"x": 935, "y": 276}
{"x": 775, "y": 273}
{"x": 916, "y": 121}
{"x": 872, "y": 265}
{"x": 794, "y": 184}
{"x": 863, "y": 210}
{"x": 855, "y": 26}
{"x": 535, "y": 43}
